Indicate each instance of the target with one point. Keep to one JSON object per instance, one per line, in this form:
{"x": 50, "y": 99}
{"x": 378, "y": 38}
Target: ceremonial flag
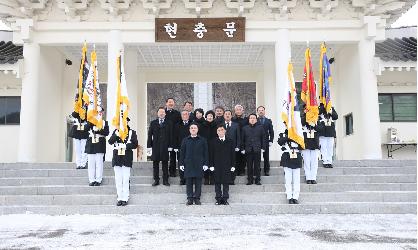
{"x": 290, "y": 110}
{"x": 92, "y": 94}
{"x": 122, "y": 101}
{"x": 79, "y": 106}
{"x": 325, "y": 79}
{"x": 308, "y": 94}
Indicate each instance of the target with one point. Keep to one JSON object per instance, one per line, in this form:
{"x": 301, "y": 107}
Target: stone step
{"x": 265, "y": 180}
{"x": 147, "y": 188}
{"x": 233, "y": 209}
{"x": 344, "y": 163}
{"x": 148, "y": 172}
{"x": 176, "y": 198}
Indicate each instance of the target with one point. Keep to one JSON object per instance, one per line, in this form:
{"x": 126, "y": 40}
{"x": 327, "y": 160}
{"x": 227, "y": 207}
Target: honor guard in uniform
{"x": 181, "y": 131}
{"x": 310, "y": 153}
{"x": 79, "y": 135}
{"x": 95, "y": 149}
{"x": 122, "y": 162}
{"x": 291, "y": 161}
{"x": 193, "y": 161}
{"x": 327, "y": 134}
{"x": 269, "y": 136}
{"x": 159, "y": 144}
{"x": 221, "y": 162}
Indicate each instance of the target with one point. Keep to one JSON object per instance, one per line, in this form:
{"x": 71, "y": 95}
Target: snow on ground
{"x": 31, "y": 231}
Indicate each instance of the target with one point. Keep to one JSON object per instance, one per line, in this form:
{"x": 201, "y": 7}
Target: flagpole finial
{"x": 307, "y": 43}
{"x": 94, "y": 46}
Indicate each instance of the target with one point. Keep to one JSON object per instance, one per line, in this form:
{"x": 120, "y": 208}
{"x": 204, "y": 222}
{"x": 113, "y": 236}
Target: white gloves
{"x": 95, "y": 128}
{"x": 243, "y": 152}
{"x": 117, "y": 132}
{"x": 176, "y": 150}
{"x": 170, "y": 149}
{"x": 270, "y": 144}
{"x": 212, "y": 169}
{"x": 149, "y": 151}
{"x": 232, "y": 169}
{"x": 182, "y": 168}
{"x": 205, "y": 168}
{"x": 262, "y": 151}
{"x": 236, "y": 149}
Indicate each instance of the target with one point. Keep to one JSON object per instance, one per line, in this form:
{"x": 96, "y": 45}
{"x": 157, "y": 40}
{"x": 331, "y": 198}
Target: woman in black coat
{"x": 95, "y": 149}
{"x": 221, "y": 162}
{"x": 122, "y": 162}
{"x": 211, "y": 127}
{"x": 291, "y": 161}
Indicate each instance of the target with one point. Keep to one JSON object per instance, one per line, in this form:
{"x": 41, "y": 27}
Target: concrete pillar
{"x": 131, "y": 74}
{"x": 114, "y": 46}
{"x": 269, "y": 95}
{"x": 29, "y": 104}
{"x": 203, "y": 96}
{"x": 282, "y": 57}
{"x": 142, "y": 112}
{"x": 370, "y": 122}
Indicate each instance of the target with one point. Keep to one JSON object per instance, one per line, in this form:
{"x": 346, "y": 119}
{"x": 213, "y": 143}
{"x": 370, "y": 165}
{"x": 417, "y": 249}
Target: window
{"x": 398, "y": 107}
{"x": 348, "y": 124}
{"x": 9, "y": 110}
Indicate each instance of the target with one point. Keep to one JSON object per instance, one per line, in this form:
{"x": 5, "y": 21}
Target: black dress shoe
{"x": 197, "y": 202}
{"x": 92, "y": 184}
{"x": 189, "y": 202}
{"x": 290, "y": 201}
{"x": 308, "y": 182}
{"x": 249, "y": 183}
{"x": 78, "y": 167}
{"x": 124, "y": 203}
{"x": 267, "y": 173}
{"x": 156, "y": 183}
{"x": 98, "y": 183}
{"x": 119, "y": 203}
{"x": 182, "y": 182}
{"x": 330, "y": 166}
{"x": 165, "y": 183}
{"x": 295, "y": 201}
{"x": 225, "y": 203}
{"x": 218, "y": 203}
{"x": 85, "y": 167}
{"x": 257, "y": 183}
{"x": 313, "y": 182}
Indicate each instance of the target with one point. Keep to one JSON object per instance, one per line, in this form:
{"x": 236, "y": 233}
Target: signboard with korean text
{"x": 228, "y": 29}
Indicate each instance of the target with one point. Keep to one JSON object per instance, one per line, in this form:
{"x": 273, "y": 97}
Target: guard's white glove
{"x": 170, "y": 149}
{"x": 212, "y": 169}
{"x": 176, "y": 150}
{"x": 262, "y": 151}
{"x": 243, "y": 152}
{"x": 75, "y": 121}
{"x": 91, "y": 134}
{"x": 149, "y": 151}
{"x": 95, "y": 128}
{"x": 236, "y": 149}
{"x": 117, "y": 132}
{"x": 270, "y": 144}
{"x": 232, "y": 169}
{"x": 182, "y": 168}
{"x": 205, "y": 168}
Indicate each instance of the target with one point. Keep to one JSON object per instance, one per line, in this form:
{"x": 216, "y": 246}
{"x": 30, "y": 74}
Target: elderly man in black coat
{"x": 233, "y": 132}
{"x": 122, "y": 162}
{"x": 221, "y": 162}
{"x": 253, "y": 144}
{"x": 193, "y": 161}
{"x": 182, "y": 130}
{"x": 269, "y": 136}
{"x": 159, "y": 143}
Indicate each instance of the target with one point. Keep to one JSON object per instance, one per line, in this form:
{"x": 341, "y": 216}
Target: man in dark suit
{"x": 181, "y": 132}
{"x": 159, "y": 144}
{"x": 253, "y": 144}
{"x": 221, "y": 162}
{"x": 269, "y": 136}
{"x": 242, "y": 121}
{"x": 175, "y": 118}
{"x": 219, "y": 114}
{"x": 188, "y": 105}
{"x": 232, "y": 132}
{"x": 193, "y": 161}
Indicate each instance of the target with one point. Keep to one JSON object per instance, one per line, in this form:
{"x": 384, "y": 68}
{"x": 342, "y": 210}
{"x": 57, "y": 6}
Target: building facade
{"x": 51, "y": 33}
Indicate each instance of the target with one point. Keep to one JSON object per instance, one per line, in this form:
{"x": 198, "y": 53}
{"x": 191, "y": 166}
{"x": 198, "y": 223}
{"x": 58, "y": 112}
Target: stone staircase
{"x": 351, "y": 187}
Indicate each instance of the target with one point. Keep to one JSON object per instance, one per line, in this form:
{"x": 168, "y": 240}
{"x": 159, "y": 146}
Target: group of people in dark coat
{"x": 214, "y": 146}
